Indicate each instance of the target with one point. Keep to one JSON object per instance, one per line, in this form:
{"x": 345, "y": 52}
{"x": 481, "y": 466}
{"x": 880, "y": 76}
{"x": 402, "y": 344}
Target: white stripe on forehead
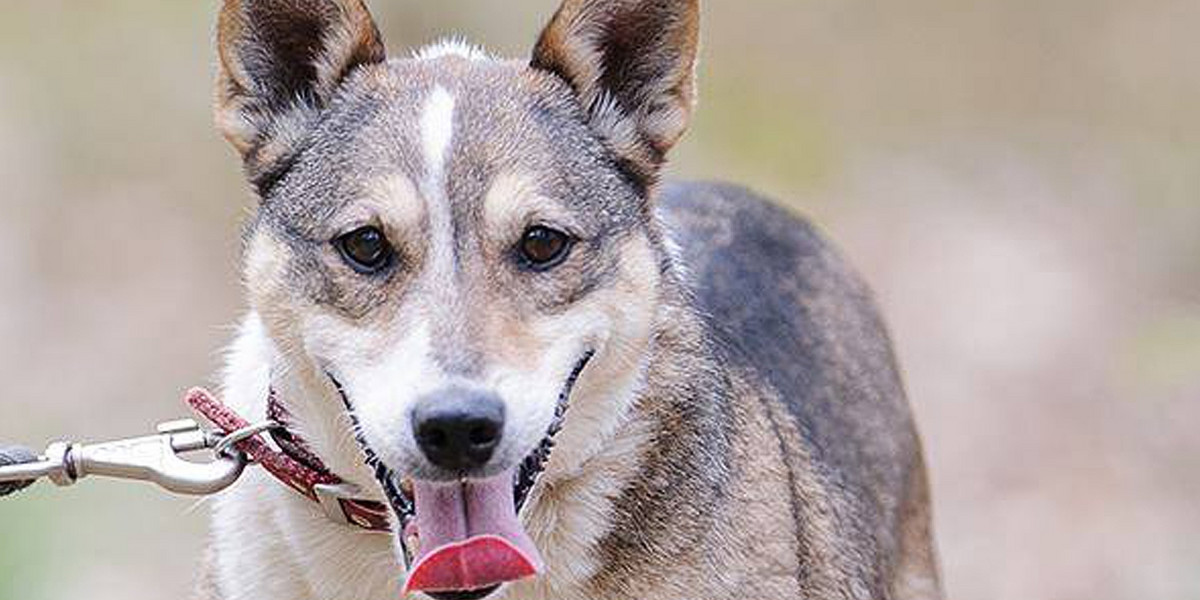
{"x": 437, "y": 132}
{"x": 437, "y": 127}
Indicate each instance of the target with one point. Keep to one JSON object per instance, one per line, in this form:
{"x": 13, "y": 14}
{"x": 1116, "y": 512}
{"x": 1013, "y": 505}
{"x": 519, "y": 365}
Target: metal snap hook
{"x": 154, "y": 458}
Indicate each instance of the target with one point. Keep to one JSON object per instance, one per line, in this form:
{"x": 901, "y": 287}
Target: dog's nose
{"x": 459, "y": 429}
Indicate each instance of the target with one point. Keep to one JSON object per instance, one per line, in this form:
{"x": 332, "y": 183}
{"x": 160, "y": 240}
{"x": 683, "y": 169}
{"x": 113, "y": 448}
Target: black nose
{"x": 459, "y": 429}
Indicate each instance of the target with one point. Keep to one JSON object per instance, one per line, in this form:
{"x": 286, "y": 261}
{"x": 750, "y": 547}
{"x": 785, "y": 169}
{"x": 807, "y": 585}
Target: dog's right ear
{"x": 280, "y": 63}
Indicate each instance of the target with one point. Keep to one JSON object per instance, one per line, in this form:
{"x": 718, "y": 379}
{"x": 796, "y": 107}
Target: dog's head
{"x": 456, "y": 241}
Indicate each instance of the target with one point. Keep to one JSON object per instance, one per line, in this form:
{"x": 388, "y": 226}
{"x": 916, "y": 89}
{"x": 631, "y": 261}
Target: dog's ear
{"x": 280, "y": 63}
{"x": 632, "y": 64}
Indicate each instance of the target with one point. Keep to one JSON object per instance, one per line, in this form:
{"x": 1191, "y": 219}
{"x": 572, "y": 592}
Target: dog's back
{"x": 785, "y": 310}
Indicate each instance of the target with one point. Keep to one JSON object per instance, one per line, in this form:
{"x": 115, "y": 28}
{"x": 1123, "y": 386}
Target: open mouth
{"x": 463, "y": 540}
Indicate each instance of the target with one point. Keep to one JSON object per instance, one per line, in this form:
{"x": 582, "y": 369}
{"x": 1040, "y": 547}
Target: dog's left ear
{"x": 632, "y": 64}
{"x": 280, "y": 63}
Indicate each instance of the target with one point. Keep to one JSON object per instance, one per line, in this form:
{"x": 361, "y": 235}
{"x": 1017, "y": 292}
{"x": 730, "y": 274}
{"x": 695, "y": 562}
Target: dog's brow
{"x": 512, "y": 198}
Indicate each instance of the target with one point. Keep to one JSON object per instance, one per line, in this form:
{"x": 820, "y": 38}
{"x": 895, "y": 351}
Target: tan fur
{"x": 918, "y": 576}
{"x": 265, "y": 273}
{"x": 513, "y": 201}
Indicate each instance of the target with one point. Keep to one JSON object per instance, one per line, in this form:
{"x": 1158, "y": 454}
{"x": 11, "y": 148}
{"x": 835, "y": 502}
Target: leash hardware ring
{"x": 226, "y": 445}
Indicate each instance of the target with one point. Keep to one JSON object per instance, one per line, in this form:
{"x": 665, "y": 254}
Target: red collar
{"x": 294, "y": 464}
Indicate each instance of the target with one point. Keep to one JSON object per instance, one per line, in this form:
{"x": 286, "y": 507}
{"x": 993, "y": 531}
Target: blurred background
{"x": 1018, "y": 179}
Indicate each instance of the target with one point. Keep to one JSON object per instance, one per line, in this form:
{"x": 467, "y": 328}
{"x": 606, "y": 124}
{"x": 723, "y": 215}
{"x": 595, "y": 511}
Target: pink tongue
{"x": 470, "y": 537}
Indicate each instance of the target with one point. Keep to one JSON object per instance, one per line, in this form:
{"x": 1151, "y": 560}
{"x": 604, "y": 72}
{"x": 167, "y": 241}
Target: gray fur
{"x": 782, "y": 310}
{"x": 787, "y": 370}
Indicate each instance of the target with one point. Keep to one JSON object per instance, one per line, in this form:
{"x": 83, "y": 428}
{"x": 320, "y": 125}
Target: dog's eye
{"x": 543, "y": 248}
{"x": 366, "y": 249}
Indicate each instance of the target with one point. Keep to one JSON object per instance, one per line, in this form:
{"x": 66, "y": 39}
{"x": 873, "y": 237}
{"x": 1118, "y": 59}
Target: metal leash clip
{"x": 154, "y": 458}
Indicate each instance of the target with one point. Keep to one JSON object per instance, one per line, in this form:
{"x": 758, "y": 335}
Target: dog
{"x": 478, "y": 306}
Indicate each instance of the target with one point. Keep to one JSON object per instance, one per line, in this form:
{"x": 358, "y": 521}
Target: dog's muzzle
{"x": 462, "y": 539}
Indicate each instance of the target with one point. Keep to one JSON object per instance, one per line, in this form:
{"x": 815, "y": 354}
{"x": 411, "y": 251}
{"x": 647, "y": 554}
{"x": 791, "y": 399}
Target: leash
{"x": 234, "y": 444}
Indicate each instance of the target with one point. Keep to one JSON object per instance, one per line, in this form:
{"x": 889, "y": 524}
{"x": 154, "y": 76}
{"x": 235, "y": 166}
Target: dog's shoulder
{"x": 782, "y": 304}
